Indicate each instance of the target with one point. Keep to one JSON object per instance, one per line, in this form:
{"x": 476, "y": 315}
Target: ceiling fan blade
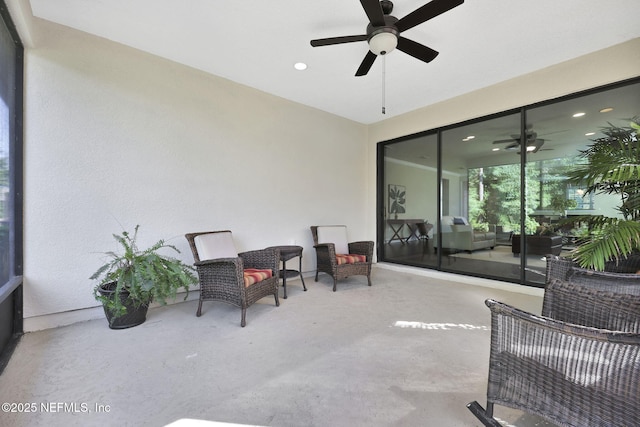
{"x": 366, "y": 64}
{"x": 416, "y": 50}
{"x": 374, "y": 12}
{"x": 554, "y": 132}
{"x": 338, "y": 40}
{"x": 503, "y": 141}
{"x": 426, "y": 12}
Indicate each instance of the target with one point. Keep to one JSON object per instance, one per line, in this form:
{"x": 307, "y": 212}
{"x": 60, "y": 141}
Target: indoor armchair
{"x": 339, "y": 258}
{"x": 240, "y": 279}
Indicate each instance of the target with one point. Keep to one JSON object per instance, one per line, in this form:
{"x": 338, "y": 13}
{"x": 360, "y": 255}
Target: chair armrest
{"x": 362, "y": 248}
{"x": 264, "y": 259}
{"x": 326, "y": 251}
{"x": 212, "y": 263}
{"x": 226, "y": 270}
{"x": 326, "y": 247}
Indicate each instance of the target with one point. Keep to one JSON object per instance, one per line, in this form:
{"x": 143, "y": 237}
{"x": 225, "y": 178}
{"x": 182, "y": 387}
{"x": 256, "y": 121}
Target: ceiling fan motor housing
{"x": 387, "y": 7}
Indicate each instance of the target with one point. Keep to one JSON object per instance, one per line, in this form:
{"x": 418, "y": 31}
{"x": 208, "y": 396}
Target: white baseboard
{"x": 55, "y": 320}
{"x": 469, "y": 280}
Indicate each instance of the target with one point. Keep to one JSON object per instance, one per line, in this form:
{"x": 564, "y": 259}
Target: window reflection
{"x": 5, "y": 214}
{"x": 482, "y": 162}
{"x": 411, "y": 190}
{"x": 491, "y": 171}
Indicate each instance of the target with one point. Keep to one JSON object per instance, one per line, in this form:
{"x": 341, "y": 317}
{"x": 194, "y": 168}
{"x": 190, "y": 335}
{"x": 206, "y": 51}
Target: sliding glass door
{"x": 481, "y": 169}
{"x": 11, "y": 58}
{"x": 557, "y": 210}
{"x": 490, "y": 197}
{"x": 410, "y": 211}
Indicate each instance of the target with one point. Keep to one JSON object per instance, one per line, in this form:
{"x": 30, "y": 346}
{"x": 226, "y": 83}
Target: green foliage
{"x": 144, "y": 274}
{"x": 501, "y": 189}
{"x": 611, "y": 165}
{"x": 559, "y": 203}
{"x": 500, "y": 201}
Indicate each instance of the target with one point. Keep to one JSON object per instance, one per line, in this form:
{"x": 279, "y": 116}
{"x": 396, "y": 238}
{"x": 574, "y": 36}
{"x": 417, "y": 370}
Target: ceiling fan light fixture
{"x": 383, "y": 41}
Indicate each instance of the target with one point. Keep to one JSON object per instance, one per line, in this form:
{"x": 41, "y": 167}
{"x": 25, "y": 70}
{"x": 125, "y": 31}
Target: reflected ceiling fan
{"x": 383, "y": 31}
{"x": 533, "y": 143}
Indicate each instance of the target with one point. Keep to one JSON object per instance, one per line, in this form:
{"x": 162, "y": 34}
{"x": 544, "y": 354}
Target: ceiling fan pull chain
{"x": 384, "y": 66}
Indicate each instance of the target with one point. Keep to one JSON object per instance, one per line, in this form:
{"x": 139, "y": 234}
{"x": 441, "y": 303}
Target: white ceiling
{"x": 257, "y": 42}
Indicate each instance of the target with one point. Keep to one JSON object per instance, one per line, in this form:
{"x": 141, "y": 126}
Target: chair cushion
{"x": 336, "y": 234}
{"x": 215, "y": 245}
{"x": 350, "y": 258}
{"x": 254, "y": 275}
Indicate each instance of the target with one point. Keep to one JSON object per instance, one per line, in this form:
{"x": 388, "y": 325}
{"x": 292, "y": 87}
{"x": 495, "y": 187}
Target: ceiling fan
{"x": 383, "y": 31}
{"x": 533, "y": 143}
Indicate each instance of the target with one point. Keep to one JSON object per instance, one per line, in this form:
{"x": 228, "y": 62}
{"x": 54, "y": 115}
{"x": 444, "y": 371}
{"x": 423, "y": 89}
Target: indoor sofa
{"x": 458, "y": 235}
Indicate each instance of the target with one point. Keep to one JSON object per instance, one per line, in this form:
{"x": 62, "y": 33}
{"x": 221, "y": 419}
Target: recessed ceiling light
{"x": 606, "y": 110}
{"x": 495, "y": 149}
{"x": 579, "y": 114}
{"x": 589, "y": 134}
{"x": 470, "y": 137}
{"x": 300, "y": 66}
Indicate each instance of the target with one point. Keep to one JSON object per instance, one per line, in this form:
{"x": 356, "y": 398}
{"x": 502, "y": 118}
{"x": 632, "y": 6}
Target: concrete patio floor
{"x": 412, "y": 350}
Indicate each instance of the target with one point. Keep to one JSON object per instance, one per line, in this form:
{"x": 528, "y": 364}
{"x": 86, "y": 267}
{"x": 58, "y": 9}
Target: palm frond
{"x": 615, "y": 239}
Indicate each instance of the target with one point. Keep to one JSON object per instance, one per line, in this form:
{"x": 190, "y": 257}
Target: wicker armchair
{"x": 337, "y": 257}
{"x": 231, "y": 277}
{"x": 579, "y": 363}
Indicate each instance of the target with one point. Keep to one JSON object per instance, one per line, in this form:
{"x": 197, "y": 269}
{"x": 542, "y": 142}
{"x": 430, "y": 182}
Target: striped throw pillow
{"x": 350, "y": 258}
{"x": 254, "y": 275}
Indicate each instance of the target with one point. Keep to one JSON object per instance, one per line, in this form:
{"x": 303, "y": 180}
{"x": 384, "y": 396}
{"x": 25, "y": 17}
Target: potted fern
{"x": 611, "y": 165}
{"x": 131, "y": 279}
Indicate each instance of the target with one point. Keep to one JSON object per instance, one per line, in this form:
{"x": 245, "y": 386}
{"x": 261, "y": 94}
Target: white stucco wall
{"x": 116, "y": 137}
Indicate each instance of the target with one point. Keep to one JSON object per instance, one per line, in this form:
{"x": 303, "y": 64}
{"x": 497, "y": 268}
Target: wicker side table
{"x": 288, "y": 252}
